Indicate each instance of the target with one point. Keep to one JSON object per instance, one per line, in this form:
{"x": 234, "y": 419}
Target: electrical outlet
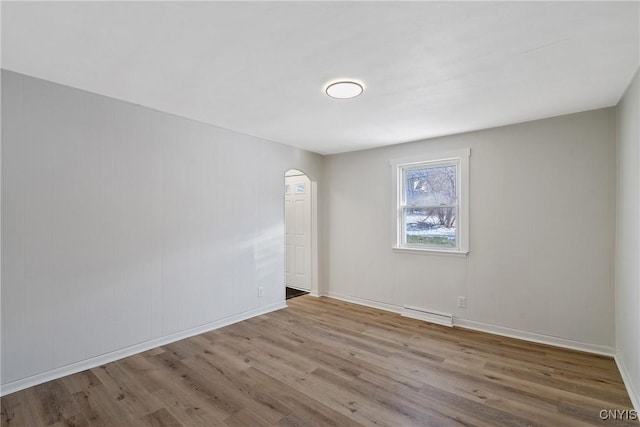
{"x": 462, "y": 302}
{"x": 260, "y": 291}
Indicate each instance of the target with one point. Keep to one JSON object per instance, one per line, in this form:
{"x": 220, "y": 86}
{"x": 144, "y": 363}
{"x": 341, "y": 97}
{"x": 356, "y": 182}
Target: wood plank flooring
{"x": 323, "y": 362}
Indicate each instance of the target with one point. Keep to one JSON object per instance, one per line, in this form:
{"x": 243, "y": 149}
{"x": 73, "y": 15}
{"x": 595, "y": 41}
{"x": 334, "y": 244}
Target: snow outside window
{"x": 431, "y": 203}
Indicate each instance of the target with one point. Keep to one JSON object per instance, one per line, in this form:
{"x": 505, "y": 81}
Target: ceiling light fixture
{"x": 344, "y": 89}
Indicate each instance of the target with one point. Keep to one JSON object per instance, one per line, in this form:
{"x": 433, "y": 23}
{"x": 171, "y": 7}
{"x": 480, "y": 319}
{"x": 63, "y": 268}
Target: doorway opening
{"x": 293, "y": 293}
{"x": 299, "y": 239}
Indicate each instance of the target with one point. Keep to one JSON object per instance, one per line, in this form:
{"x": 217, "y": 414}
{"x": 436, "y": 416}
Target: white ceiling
{"x": 429, "y": 68}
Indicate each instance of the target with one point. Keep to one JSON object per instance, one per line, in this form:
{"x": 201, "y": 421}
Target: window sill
{"x": 418, "y": 251}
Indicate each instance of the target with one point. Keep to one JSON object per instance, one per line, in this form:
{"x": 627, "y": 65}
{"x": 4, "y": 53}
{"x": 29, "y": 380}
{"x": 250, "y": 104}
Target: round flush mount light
{"x": 344, "y": 89}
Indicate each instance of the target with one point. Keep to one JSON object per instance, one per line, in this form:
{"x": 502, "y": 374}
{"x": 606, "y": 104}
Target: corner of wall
{"x": 634, "y": 395}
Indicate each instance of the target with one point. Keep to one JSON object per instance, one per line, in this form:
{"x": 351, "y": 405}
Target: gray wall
{"x": 628, "y": 240}
{"x": 123, "y": 225}
{"x": 542, "y": 221}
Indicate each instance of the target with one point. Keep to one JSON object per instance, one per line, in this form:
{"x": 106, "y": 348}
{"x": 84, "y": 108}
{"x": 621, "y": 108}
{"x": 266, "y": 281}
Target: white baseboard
{"x": 535, "y": 337}
{"x": 493, "y": 329}
{"x": 93, "y": 362}
{"x": 367, "y": 302}
{"x": 626, "y": 378}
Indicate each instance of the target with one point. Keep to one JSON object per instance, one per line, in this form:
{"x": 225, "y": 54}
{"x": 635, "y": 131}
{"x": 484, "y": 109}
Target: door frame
{"x": 314, "y": 228}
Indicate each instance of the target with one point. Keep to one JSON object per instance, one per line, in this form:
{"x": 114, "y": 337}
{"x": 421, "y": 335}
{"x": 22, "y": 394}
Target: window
{"x": 430, "y": 203}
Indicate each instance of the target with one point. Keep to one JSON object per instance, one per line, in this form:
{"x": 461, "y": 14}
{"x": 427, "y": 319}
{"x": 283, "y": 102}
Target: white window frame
{"x": 398, "y": 166}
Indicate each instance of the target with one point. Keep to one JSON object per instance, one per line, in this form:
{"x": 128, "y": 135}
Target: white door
{"x": 297, "y": 214}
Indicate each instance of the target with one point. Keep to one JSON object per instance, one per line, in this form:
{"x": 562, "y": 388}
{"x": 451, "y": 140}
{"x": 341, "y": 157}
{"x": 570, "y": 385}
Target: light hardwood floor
{"x": 323, "y": 362}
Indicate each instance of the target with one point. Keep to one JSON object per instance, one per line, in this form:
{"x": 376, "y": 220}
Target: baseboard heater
{"x": 445, "y": 319}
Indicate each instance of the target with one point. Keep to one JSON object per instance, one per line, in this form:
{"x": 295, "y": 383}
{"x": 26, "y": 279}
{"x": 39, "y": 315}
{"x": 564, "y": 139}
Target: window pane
{"x": 430, "y": 186}
{"x": 430, "y": 227}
